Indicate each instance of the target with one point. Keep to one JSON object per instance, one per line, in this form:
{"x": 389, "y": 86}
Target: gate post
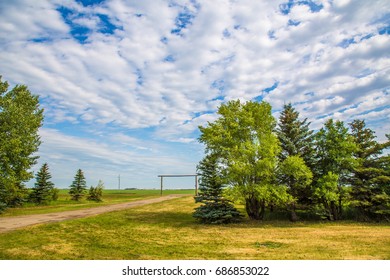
{"x": 161, "y": 185}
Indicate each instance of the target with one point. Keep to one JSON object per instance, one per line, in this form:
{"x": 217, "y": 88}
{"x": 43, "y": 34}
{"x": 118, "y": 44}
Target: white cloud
{"x": 142, "y": 75}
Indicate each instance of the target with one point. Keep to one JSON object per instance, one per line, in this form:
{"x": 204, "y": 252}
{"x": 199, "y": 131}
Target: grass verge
{"x": 167, "y": 231}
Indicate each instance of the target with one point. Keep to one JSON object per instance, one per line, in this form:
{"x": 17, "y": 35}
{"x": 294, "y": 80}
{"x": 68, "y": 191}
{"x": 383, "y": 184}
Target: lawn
{"x": 64, "y": 203}
{"x": 167, "y": 231}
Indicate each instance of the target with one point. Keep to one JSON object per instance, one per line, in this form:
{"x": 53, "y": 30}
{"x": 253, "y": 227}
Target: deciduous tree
{"x": 244, "y": 139}
{"x": 334, "y": 155}
{"x": 20, "y": 119}
{"x": 294, "y": 173}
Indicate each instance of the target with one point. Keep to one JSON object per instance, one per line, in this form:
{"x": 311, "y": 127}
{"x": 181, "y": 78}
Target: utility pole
{"x": 119, "y": 181}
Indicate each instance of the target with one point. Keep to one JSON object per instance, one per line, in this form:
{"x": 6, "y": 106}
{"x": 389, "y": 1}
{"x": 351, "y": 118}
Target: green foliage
{"x": 244, "y": 140}
{"x": 328, "y": 194}
{"x": 215, "y": 209}
{"x": 96, "y": 193}
{"x": 297, "y": 177}
{"x": 44, "y": 190}
{"x": 370, "y": 179}
{"x": 54, "y": 194}
{"x": 20, "y": 119}
{"x": 3, "y": 206}
{"x": 334, "y": 155}
{"x": 334, "y": 150}
{"x": 296, "y": 139}
{"x": 78, "y": 188}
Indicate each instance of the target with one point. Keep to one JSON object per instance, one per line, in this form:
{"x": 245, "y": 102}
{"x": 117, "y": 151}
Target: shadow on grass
{"x": 185, "y": 220}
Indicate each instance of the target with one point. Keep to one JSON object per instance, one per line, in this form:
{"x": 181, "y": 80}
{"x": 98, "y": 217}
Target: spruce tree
{"x": 42, "y": 192}
{"x": 297, "y": 142}
{"x": 296, "y": 139}
{"x": 370, "y": 180}
{"x": 215, "y": 209}
{"x": 78, "y": 188}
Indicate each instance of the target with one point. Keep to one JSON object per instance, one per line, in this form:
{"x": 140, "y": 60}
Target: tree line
{"x": 20, "y": 120}
{"x": 283, "y": 165}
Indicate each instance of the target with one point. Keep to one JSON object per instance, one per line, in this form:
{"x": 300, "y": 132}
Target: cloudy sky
{"x": 125, "y": 84}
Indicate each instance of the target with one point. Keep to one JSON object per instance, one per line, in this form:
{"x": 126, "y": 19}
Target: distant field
{"x": 64, "y": 203}
{"x": 167, "y": 230}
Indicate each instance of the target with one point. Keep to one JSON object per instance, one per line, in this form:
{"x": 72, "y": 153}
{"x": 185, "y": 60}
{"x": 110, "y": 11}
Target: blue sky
{"x": 125, "y": 84}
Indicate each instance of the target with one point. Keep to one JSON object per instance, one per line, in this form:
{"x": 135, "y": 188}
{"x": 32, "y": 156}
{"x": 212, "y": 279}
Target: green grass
{"x": 64, "y": 203}
{"x": 167, "y": 230}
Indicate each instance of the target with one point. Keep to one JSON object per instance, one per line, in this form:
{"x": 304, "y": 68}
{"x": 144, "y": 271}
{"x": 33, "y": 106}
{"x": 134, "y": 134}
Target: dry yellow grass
{"x": 168, "y": 231}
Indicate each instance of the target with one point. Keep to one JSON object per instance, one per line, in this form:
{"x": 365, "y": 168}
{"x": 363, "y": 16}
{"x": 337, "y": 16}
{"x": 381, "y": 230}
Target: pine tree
{"x": 297, "y": 142}
{"x": 370, "y": 179}
{"x": 78, "y": 188}
{"x": 296, "y": 139}
{"x": 215, "y": 209}
{"x": 42, "y": 192}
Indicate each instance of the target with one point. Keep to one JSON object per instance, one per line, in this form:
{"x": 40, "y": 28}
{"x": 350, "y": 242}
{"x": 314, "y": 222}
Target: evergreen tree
{"x": 296, "y": 139}
{"x": 370, "y": 179}
{"x": 215, "y": 209}
{"x": 20, "y": 119}
{"x": 78, "y": 188}
{"x": 42, "y": 192}
{"x": 96, "y": 193}
{"x": 297, "y": 143}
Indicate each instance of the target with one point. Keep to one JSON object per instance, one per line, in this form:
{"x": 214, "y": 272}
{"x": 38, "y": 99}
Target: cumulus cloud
{"x": 150, "y": 71}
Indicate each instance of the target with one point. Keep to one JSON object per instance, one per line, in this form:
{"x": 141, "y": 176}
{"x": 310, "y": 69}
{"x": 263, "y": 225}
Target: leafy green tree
{"x": 96, "y": 193}
{"x": 215, "y": 209}
{"x": 243, "y": 138}
{"x": 20, "y": 119}
{"x": 295, "y": 136}
{"x": 370, "y": 180}
{"x": 334, "y": 154}
{"x": 294, "y": 173}
{"x": 78, "y": 188}
{"x": 328, "y": 193}
{"x": 42, "y": 193}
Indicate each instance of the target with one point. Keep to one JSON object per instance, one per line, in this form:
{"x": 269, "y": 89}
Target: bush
{"x": 96, "y": 193}
{"x": 3, "y": 206}
{"x": 54, "y": 194}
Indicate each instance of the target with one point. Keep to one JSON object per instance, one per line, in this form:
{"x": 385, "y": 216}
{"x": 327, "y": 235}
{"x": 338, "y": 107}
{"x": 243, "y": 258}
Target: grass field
{"x": 167, "y": 231}
{"x": 64, "y": 203}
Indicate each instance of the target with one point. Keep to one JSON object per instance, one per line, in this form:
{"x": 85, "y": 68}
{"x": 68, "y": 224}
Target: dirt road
{"x": 12, "y": 223}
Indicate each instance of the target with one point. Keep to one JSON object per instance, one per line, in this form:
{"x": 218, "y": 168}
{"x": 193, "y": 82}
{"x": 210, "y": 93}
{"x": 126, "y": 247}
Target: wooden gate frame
{"x": 185, "y": 175}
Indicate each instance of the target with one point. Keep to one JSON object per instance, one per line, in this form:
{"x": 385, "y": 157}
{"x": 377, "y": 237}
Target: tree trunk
{"x": 254, "y": 208}
{"x": 340, "y": 208}
{"x": 334, "y": 211}
{"x": 293, "y": 214}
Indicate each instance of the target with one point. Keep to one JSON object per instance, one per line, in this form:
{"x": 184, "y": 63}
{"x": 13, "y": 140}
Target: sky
{"x": 125, "y": 84}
